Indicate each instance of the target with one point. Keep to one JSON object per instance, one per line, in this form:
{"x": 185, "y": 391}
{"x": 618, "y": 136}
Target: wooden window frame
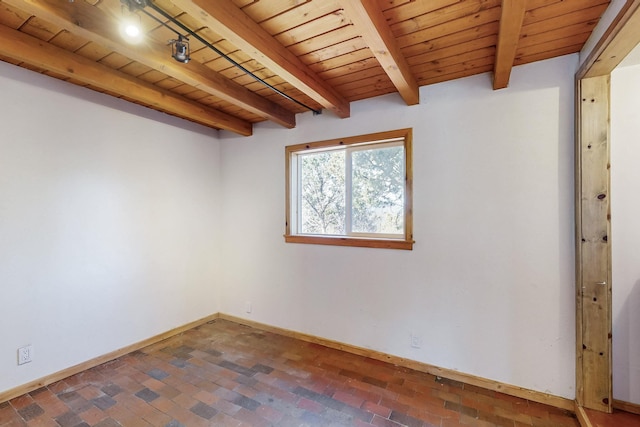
{"x": 406, "y": 242}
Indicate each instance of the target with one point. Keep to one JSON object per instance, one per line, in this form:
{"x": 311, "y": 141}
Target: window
{"x": 351, "y": 192}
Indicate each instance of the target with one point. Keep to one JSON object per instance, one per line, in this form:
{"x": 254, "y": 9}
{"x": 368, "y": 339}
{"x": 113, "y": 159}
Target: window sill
{"x": 350, "y": 241}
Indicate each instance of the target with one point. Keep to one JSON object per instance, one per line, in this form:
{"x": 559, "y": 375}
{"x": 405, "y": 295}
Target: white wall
{"x": 109, "y": 223}
{"x": 625, "y": 231}
{"x": 115, "y": 227}
{"x": 489, "y": 285}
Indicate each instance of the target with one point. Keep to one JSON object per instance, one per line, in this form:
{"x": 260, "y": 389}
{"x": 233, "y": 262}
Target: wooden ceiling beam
{"x": 33, "y": 51}
{"x": 372, "y": 25}
{"x": 511, "y": 19}
{"x": 622, "y": 36}
{"x": 226, "y": 19}
{"x": 93, "y": 24}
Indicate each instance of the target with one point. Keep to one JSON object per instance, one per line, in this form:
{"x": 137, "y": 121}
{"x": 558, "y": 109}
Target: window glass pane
{"x": 378, "y": 190}
{"x": 322, "y": 204}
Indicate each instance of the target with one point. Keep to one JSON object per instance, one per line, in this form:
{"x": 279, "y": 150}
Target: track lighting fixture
{"x": 180, "y": 50}
{"x": 134, "y": 5}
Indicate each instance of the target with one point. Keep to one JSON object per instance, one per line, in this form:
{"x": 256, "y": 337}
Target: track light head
{"x": 180, "y": 50}
{"x": 134, "y": 5}
{"x": 131, "y": 24}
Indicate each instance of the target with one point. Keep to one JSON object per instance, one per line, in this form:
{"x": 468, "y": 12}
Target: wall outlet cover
{"x": 25, "y": 354}
{"x": 415, "y": 341}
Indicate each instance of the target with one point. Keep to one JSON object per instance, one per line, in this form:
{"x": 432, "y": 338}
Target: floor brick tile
{"x": 21, "y": 402}
{"x": 41, "y": 394}
{"x": 52, "y": 406}
{"x": 377, "y": 382}
{"x": 31, "y": 411}
{"x": 310, "y": 405}
{"x": 153, "y": 384}
{"x": 93, "y": 416}
{"x": 450, "y": 383}
{"x": 108, "y": 422}
{"x": 357, "y": 413}
{"x": 395, "y": 405}
{"x": 79, "y": 405}
{"x": 42, "y": 422}
{"x": 156, "y": 418}
{"x": 68, "y": 419}
{"x": 565, "y": 420}
{"x": 90, "y": 392}
{"x": 158, "y": 374}
{"x": 246, "y": 403}
{"x": 475, "y": 422}
{"x": 498, "y": 420}
{"x": 431, "y": 419}
{"x": 348, "y": 398}
{"x": 359, "y": 423}
{"x": 58, "y": 387}
{"x": 246, "y": 381}
{"x": 224, "y": 420}
{"x": 515, "y": 416}
{"x": 168, "y": 392}
{"x": 251, "y": 418}
{"x": 104, "y": 402}
{"x": 179, "y": 363}
{"x": 313, "y": 419}
{"x": 8, "y": 415}
{"x": 457, "y": 407}
{"x": 38, "y": 392}
{"x": 246, "y": 391}
{"x": 439, "y": 410}
{"x": 384, "y": 422}
{"x": 616, "y": 419}
{"x": 147, "y": 395}
{"x": 405, "y": 419}
{"x": 446, "y": 396}
{"x": 68, "y": 396}
{"x": 203, "y": 410}
{"x": 269, "y": 413}
{"x": 226, "y": 407}
{"x": 262, "y": 368}
{"x": 376, "y": 409}
{"x": 237, "y": 368}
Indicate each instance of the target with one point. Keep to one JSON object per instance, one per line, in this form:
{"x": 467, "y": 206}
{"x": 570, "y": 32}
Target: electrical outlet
{"x": 247, "y": 307}
{"x": 25, "y": 354}
{"x": 415, "y": 341}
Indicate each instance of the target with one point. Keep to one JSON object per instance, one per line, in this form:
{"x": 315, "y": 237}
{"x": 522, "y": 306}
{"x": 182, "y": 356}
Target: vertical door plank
{"x": 593, "y": 246}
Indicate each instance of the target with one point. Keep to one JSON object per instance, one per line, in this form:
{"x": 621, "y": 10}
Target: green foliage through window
{"x": 378, "y": 190}
{"x": 322, "y": 197}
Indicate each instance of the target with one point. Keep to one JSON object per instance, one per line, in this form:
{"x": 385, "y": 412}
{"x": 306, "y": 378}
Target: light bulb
{"x": 132, "y": 30}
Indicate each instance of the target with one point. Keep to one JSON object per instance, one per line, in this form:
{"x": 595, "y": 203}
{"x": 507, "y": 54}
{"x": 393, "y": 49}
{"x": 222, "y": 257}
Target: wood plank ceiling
{"x": 322, "y": 53}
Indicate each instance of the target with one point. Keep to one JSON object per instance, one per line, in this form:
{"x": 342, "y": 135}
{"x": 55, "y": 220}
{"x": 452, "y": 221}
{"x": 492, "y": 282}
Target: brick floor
{"x": 617, "y": 419}
{"x": 225, "y": 374}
